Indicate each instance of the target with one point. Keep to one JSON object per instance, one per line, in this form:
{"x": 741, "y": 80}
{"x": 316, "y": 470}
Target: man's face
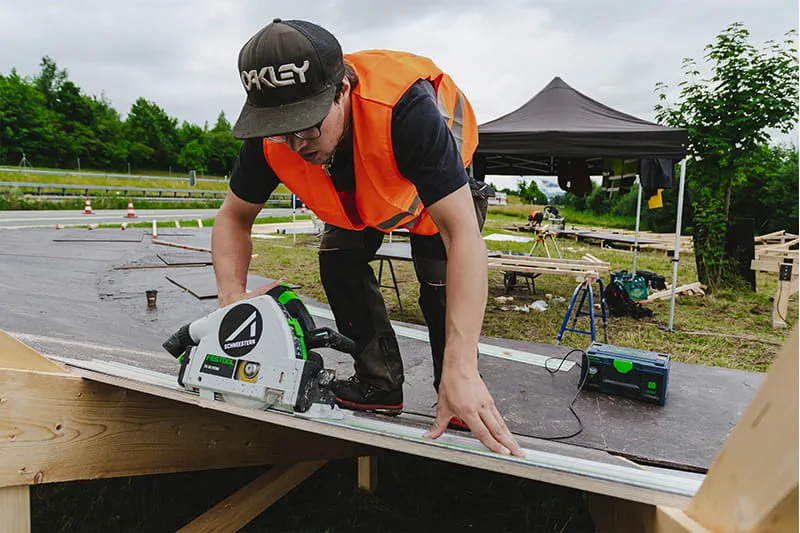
{"x": 318, "y": 151}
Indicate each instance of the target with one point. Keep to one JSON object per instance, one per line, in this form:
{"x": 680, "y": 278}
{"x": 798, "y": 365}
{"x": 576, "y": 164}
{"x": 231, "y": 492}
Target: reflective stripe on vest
{"x": 397, "y": 220}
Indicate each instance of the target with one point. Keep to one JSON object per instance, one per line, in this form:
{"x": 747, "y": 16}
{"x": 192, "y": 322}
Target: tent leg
{"x": 677, "y": 253}
{"x": 638, "y": 217}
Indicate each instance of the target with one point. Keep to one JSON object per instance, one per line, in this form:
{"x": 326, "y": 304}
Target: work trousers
{"x": 358, "y": 306}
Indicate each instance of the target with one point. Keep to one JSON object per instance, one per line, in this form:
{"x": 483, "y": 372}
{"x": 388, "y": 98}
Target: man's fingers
{"x": 483, "y": 434}
{"x": 500, "y": 431}
{"x": 438, "y": 427}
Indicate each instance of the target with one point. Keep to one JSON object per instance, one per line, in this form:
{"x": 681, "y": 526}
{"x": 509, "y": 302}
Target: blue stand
{"x": 585, "y": 288}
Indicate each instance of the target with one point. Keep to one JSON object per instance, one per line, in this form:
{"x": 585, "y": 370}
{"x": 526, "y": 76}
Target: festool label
{"x": 218, "y": 365}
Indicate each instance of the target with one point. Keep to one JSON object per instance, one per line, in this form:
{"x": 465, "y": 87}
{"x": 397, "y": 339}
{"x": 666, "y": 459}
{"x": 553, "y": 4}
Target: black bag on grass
{"x": 620, "y": 303}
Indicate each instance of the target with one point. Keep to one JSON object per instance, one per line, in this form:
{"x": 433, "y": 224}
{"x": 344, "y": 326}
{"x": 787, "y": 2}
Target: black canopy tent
{"x": 560, "y": 124}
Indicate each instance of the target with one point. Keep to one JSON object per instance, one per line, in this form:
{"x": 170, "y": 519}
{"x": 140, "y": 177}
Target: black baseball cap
{"x": 290, "y": 70}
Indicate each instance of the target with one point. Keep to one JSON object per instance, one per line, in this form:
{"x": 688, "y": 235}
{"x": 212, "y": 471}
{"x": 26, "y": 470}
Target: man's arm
{"x": 462, "y": 392}
{"x": 231, "y": 247}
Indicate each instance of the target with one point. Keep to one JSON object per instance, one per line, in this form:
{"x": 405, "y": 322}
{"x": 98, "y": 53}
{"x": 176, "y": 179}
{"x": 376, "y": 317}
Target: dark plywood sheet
{"x": 102, "y": 312}
{"x": 703, "y": 405}
{"x": 99, "y": 235}
{"x": 184, "y": 257}
{"x": 202, "y": 284}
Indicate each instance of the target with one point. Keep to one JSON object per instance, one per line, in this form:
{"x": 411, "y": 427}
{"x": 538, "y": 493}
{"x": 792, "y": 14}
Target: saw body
{"x": 257, "y": 353}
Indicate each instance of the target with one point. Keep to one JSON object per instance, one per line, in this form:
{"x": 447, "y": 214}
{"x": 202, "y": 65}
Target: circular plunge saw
{"x": 257, "y": 353}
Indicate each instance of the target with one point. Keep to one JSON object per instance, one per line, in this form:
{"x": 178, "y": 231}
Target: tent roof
{"x": 562, "y": 122}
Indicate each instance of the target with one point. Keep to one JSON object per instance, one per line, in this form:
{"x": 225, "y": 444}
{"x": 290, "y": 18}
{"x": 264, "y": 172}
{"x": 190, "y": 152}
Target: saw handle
{"x": 329, "y": 338}
{"x": 177, "y": 343}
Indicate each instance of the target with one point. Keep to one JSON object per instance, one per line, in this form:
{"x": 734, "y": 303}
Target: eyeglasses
{"x": 308, "y": 134}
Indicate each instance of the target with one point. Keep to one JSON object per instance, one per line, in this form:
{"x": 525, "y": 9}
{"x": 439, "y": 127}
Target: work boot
{"x": 354, "y": 394}
{"x": 457, "y": 424}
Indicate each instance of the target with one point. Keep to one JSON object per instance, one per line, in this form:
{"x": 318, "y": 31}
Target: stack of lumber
{"x": 777, "y": 243}
{"x": 578, "y": 268}
{"x": 695, "y": 288}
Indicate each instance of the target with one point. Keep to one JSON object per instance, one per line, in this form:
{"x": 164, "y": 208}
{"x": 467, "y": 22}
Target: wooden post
{"x": 368, "y": 473}
{"x": 15, "y": 509}
{"x": 781, "y": 301}
{"x": 752, "y": 485}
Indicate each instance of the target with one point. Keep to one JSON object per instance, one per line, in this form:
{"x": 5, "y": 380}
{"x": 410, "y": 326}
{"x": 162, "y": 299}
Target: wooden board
{"x": 18, "y": 356}
{"x": 237, "y": 510}
{"x": 616, "y": 480}
{"x": 56, "y": 427}
{"x": 752, "y": 485}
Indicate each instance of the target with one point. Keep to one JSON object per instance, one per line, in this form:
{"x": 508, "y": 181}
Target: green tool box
{"x": 629, "y": 372}
{"x": 634, "y": 285}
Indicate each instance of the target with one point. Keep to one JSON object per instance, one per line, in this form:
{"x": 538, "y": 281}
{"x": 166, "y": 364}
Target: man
{"x": 535, "y": 218}
{"x": 370, "y": 145}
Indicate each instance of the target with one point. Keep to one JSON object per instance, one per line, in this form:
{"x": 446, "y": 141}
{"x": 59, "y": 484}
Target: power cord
{"x": 584, "y": 366}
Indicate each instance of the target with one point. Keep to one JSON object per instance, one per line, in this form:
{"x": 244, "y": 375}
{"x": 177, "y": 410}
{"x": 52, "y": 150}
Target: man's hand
{"x": 463, "y": 393}
{"x": 260, "y": 291}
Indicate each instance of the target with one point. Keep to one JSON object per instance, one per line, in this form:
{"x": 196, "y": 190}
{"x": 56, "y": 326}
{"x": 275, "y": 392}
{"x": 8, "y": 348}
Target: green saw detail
{"x": 298, "y": 331}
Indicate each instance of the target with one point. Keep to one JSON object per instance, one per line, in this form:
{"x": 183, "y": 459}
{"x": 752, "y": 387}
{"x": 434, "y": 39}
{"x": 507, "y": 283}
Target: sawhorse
{"x": 585, "y": 289}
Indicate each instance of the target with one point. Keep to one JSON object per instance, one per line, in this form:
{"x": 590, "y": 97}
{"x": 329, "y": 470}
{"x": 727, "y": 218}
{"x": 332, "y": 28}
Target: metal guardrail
{"x": 69, "y": 189}
{"x": 101, "y": 175}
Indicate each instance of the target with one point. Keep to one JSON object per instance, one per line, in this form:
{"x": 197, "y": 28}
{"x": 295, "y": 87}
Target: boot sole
{"x": 388, "y": 410}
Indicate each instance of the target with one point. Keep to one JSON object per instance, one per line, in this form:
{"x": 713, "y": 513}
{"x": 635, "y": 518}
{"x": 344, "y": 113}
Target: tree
{"x": 153, "y": 135}
{"x": 728, "y": 117}
{"x": 26, "y": 125}
{"x": 529, "y": 193}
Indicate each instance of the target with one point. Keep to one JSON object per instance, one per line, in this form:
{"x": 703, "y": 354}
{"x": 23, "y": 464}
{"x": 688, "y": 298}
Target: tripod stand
{"x": 24, "y": 163}
{"x": 542, "y": 234}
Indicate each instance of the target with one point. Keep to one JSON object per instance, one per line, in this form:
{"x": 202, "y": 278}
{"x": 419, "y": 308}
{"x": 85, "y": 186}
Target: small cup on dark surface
{"x": 151, "y": 298}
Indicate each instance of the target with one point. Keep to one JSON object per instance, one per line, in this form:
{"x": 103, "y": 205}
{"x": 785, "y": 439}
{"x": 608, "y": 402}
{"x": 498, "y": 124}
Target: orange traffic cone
{"x": 87, "y": 207}
{"x": 131, "y": 212}
{"x": 303, "y": 209}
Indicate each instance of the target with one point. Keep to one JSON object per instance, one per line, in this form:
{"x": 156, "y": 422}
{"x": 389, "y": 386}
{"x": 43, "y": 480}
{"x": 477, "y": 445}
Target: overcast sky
{"x": 182, "y": 54}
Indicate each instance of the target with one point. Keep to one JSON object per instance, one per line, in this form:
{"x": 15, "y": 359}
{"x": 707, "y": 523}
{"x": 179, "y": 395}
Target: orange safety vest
{"x": 384, "y": 198}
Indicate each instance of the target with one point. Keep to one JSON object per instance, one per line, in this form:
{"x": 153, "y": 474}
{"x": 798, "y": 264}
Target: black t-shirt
{"x": 424, "y": 149}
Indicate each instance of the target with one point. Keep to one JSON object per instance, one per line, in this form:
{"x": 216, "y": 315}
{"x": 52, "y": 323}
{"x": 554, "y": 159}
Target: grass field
{"x": 730, "y": 328}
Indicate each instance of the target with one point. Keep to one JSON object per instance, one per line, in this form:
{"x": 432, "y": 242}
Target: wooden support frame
{"x": 15, "y": 505}
{"x": 368, "y": 473}
{"x": 56, "y": 426}
{"x": 785, "y": 289}
{"x": 752, "y": 487}
{"x": 240, "y": 508}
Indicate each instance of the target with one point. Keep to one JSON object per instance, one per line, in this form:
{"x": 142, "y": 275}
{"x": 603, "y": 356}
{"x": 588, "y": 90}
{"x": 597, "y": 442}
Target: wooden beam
{"x": 14, "y": 354}
{"x": 753, "y": 484}
{"x": 15, "y": 510}
{"x": 780, "y": 302}
{"x": 184, "y": 246}
{"x": 368, "y": 473}
{"x": 615, "y": 515}
{"x": 241, "y": 507}
{"x": 668, "y": 292}
{"x": 63, "y": 427}
{"x": 672, "y": 520}
{"x": 416, "y": 445}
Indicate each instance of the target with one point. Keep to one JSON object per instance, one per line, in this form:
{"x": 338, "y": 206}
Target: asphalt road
{"x": 49, "y": 219}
